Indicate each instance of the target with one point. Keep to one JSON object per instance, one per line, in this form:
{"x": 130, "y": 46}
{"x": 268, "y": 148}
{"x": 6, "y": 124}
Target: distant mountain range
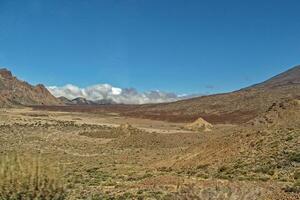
{"x": 83, "y": 101}
{"x": 234, "y": 107}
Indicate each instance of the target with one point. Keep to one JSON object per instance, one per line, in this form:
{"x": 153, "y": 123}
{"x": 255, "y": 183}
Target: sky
{"x": 180, "y": 46}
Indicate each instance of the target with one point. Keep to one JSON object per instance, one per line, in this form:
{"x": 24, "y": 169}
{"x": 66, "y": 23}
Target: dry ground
{"x": 153, "y": 159}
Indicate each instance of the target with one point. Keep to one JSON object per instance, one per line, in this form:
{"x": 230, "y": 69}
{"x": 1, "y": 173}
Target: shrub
{"x": 27, "y": 178}
{"x": 295, "y": 157}
{"x": 297, "y": 175}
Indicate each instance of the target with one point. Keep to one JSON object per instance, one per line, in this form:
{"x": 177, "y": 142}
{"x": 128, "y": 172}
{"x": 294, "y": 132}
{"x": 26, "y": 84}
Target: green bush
{"x": 295, "y": 157}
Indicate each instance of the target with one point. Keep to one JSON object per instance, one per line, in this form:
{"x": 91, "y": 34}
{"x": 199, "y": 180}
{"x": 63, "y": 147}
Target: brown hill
{"x": 235, "y": 107}
{"x": 280, "y": 113}
{"x": 289, "y": 77}
{"x": 265, "y": 149}
{"x": 15, "y": 92}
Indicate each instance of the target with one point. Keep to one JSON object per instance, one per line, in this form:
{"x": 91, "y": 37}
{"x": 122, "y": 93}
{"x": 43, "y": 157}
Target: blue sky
{"x": 182, "y": 46}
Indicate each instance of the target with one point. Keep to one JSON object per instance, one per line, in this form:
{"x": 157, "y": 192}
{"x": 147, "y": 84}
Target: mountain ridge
{"x": 14, "y": 92}
{"x": 291, "y": 76}
{"x": 234, "y": 107}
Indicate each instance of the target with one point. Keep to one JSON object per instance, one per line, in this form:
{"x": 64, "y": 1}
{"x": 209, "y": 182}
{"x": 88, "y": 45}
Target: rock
{"x": 14, "y": 92}
{"x": 199, "y": 125}
{"x": 4, "y": 73}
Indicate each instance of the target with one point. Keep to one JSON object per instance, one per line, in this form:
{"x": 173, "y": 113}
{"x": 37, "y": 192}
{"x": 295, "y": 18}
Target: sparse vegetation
{"x": 140, "y": 161}
{"x": 26, "y": 177}
{"x": 295, "y": 157}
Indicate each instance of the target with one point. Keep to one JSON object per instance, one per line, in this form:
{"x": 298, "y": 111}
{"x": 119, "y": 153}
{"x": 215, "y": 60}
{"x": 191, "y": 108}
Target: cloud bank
{"x": 118, "y": 95}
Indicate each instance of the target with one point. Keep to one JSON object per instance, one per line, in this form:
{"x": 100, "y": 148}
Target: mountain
{"x": 290, "y": 77}
{"x": 82, "y": 101}
{"x": 66, "y": 100}
{"x": 15, "y": 92}
{"x": 105, "y": 102}
{"x": 234, "y": 107}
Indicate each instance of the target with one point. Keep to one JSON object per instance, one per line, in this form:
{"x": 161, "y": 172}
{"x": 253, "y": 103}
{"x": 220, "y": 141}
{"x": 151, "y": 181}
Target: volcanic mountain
{"x": 234, "y": 107}
{"x": 14, "y": 92}
{"x": 290, "y": 77}
{"x": 84, "y": 101}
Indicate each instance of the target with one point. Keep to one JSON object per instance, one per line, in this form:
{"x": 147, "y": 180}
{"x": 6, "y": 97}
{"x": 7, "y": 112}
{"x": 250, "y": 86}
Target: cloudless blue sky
{"x": 182, "y": 46}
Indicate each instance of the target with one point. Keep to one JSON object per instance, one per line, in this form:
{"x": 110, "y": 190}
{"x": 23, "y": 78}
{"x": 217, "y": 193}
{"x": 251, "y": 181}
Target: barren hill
{"x": 235, "y": 107}
{"x": 289, "y": 77}
{"x": 280, "y": 113}
{"x": 264, "y": 149}
{"x": 15, "y": 92}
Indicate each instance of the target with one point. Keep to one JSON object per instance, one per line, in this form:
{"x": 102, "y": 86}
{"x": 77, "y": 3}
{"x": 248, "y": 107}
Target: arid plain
{"x": 106, "y": 155}
{"x": 242, "y": 145}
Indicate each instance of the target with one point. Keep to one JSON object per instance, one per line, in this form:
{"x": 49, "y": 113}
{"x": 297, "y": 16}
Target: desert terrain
{"x": 109, "y": 156}
{"x": 242, "y": 145}
{"x": 149, "y": 100}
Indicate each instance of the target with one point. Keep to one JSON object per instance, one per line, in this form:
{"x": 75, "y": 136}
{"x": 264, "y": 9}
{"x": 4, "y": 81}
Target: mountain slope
{"x": 264, "y": 149}
{"x": 66, "y": 100}
{"x": 82, "y": 101}
{"x": 235, "y": 107}
{"x": 289, "y": 77}
{"x": 15, "y": 92}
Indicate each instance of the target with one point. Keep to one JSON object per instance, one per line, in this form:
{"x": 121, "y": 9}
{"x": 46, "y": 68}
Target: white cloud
{"x": 107, "y": 92}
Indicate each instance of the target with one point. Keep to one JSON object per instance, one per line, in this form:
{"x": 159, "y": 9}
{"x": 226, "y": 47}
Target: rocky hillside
{"x": 280, "y": 113}
{"x": 264, "y": 149}
{"x": 235, "y": 107}
{"x": 14, "y": 92}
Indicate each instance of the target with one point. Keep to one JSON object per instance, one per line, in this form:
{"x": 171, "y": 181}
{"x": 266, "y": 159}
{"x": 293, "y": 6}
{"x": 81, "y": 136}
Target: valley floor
{"x": 104, "y": 155}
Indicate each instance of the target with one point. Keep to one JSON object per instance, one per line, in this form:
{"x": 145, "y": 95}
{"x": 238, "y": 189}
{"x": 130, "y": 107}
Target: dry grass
{"x": 29, "y": 178}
